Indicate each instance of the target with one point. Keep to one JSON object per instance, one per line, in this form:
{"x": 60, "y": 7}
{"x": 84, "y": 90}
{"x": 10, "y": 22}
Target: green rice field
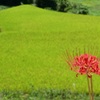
{"x": 33, "y": 42}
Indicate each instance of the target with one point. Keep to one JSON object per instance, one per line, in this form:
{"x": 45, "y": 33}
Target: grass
{"x": 46, "y": 95}
{"x": 32, "y": 45}
{"x": 87, "y": 2}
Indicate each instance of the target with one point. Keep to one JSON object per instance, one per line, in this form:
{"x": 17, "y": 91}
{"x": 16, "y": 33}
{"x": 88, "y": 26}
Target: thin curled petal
{"x": 85, "y": 64}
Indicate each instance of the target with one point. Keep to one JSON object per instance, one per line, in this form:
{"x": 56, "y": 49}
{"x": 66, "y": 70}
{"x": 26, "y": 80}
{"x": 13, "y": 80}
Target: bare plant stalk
{"x": 91, "y": 88}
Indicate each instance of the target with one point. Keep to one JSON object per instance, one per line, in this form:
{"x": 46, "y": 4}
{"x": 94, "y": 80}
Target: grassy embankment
{"x": 32, "y": 43}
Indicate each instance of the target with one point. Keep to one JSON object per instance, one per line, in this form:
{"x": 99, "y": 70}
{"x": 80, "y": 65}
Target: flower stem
{"x": 90, "y": 87}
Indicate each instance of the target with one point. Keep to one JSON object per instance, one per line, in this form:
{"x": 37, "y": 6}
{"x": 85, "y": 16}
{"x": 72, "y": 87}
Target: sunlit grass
{"x": 32, "y": 46}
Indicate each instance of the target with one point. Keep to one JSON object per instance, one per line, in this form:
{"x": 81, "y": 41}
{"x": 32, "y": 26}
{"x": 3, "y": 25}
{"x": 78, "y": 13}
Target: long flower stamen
{"x": 85, "y": 64}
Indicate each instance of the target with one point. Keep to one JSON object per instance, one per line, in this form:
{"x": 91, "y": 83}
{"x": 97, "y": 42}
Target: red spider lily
{"x": 85, "y": 64}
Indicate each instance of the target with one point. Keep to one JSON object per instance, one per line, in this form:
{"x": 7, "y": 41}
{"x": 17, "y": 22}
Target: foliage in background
{"x": 63, "y": 5}
{"x": 79, "y": 9}
{"x": 46, "y": 3}
{"x": 58, "y": 5}
{"x": 3, "y": 7}
{"x": 10, "y": 2}
{"x": 66, "y": 6}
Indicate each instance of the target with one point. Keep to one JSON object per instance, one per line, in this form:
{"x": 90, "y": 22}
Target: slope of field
{"x": 32, "y": 45}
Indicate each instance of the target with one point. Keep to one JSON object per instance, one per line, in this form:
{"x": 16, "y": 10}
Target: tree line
{"x": 14, "y": 2}
{"x": 19, "y": 2}
{"x": 58, "y": 5}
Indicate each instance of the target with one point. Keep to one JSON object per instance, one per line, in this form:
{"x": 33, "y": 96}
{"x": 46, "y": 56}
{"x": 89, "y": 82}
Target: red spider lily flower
{"x": 85, "y": 64}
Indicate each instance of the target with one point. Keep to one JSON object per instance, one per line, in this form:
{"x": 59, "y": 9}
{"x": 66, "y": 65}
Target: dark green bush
{"x": 10, "y": 2}
{"x": 27, "y": 1}
{"x": 46, "y": 3}
{"x": 66, "y": 6}
{"x": 63, "y": 5}
{"x": 79, "y": 9}
{"x": 1, "y": 8}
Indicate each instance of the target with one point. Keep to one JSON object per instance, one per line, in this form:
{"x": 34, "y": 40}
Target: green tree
{"x": 46, "y": 3}
{"x": 63, "y": 5}
{"x": 10, "y": 2}
{"x": 27, "y": 1}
